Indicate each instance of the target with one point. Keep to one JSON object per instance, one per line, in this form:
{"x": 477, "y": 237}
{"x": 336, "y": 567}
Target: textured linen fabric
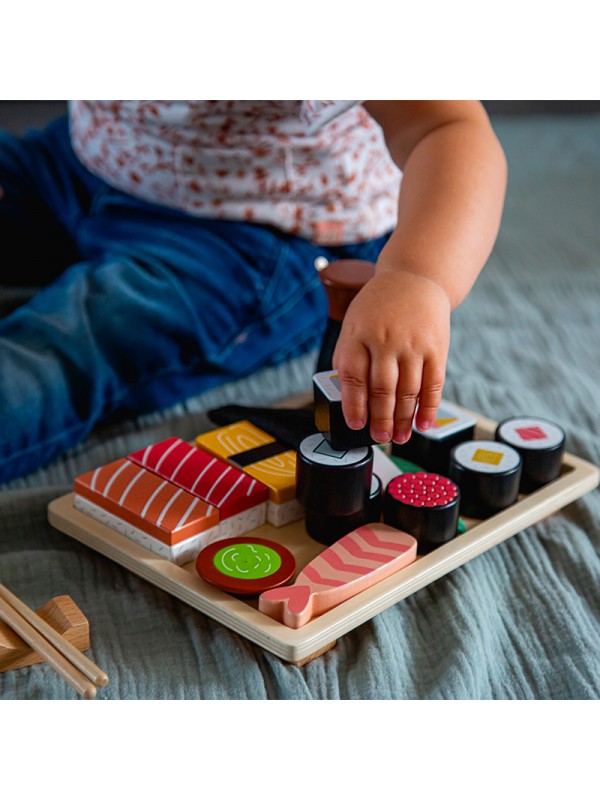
{"x": 520, "y": 621}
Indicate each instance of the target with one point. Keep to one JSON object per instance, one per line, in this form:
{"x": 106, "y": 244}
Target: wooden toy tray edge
{"x": 300, "y": 645}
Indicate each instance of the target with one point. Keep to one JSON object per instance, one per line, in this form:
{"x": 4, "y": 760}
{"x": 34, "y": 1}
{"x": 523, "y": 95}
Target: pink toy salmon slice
{"x": 358, "y": 560}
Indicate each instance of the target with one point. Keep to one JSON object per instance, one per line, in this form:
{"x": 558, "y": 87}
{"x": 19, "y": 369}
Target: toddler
{"x": 175, "y": 244}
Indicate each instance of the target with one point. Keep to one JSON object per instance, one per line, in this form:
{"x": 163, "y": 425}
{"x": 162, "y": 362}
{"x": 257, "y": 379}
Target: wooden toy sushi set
{"x": 292, "y": 549}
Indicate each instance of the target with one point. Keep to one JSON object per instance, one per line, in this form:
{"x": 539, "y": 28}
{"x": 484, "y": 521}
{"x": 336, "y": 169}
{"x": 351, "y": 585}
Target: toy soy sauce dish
{"x": 245, "y": 565}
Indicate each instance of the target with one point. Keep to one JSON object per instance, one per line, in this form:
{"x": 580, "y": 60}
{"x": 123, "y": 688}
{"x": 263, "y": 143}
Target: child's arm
{"x": 394, "y": 342}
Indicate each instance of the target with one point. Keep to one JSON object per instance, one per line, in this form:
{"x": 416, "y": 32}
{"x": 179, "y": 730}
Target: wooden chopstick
{"x": 14, "y": 612}
{"x": 42, "y": 646}
{"x": 68, "y": 650}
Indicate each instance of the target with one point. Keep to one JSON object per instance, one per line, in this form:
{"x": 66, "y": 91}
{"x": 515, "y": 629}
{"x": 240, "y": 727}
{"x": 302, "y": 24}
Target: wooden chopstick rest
{"x": 56, "y": 660}
{"x": 62, "y": 614}
{"x": 63, "y": 656}
{"x": 81, "y": 661}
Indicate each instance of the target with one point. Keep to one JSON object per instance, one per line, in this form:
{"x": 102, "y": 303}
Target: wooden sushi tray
{"x": 302, "y": 644}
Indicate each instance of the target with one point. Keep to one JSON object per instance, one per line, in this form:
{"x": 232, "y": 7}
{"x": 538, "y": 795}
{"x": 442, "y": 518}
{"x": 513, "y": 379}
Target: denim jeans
{"x": 141, "y": 306}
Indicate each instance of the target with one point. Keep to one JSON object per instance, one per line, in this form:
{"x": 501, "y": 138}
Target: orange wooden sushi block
{"x": 147, "y": 509}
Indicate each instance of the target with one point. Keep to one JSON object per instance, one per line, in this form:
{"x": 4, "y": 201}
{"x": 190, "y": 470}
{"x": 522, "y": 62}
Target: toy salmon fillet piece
{"x": 358, "y": 560}
{"x": 152, "y": 512}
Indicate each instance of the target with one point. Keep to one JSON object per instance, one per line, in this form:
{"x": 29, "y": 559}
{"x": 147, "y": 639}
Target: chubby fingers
{"x": 387, "y": 392}
{"x": 383, "y": 380}
{"x": 434, "y": 373}
{"x": 376, "y": 389}
{"x": 410, "y": 373}
{"x": 419, "y": 390}
{"x": 352, "y": 362}
{"x": 369, "y": 393}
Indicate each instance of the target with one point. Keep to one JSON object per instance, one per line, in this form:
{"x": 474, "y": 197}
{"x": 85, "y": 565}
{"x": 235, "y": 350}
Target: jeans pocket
{"x": 291, "y": 314}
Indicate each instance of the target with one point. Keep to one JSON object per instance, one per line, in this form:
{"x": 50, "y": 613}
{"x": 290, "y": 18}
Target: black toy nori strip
{"x": 257, "y": 454}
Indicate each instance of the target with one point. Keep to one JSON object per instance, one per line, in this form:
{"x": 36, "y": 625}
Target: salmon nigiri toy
{"x": 358, "y": 560}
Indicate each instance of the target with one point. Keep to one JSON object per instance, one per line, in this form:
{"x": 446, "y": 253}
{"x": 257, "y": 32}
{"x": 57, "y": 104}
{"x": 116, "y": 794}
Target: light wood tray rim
{"x": 295, "y": 645}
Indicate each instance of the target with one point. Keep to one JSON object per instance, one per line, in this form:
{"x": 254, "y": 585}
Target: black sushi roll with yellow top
{"x": 431, "y": 449}
{"x": 488, "y": 474}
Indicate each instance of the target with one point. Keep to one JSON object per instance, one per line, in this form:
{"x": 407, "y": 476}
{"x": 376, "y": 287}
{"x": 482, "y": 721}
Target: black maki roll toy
{"x": 335, "y": 487}
{"x": 431, "y": 449}
{"x": 329, "y": 417}
{"x": 541, "y": 445}
{"x": 425, "y": 505}
{"x": 374, "y": 507}
{"x": 488, "y": 474}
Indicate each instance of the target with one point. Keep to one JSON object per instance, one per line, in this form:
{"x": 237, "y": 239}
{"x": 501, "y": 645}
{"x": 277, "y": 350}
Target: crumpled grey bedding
{"x": 520, "y": 621}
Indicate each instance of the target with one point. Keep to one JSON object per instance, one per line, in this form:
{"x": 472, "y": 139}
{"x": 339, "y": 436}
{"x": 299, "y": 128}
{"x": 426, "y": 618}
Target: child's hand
{"x": 391, "y": 354}
{"x": 392, "y": 350}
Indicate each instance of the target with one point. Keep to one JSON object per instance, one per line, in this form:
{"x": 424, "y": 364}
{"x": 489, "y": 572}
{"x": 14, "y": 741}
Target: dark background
{"x": 17, "y": 116}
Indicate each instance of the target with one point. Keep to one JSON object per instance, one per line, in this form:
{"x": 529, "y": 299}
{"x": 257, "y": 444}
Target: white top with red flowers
{"x": 319, "y": 169}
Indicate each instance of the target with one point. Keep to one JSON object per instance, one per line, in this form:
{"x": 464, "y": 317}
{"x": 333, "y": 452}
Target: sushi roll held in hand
{"x": 329, "y": 417}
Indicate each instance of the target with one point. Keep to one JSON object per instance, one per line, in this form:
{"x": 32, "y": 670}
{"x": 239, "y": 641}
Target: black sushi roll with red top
{"x": 541, "y": 445}
{"x": 425, "y": 505}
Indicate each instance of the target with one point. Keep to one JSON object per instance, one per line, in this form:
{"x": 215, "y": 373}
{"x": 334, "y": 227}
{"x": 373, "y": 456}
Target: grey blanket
{"x": 520, "y": 621}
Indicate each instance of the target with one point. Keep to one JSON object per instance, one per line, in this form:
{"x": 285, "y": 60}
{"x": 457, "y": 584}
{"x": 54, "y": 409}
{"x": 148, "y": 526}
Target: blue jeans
{"x": 142, "y": 306}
